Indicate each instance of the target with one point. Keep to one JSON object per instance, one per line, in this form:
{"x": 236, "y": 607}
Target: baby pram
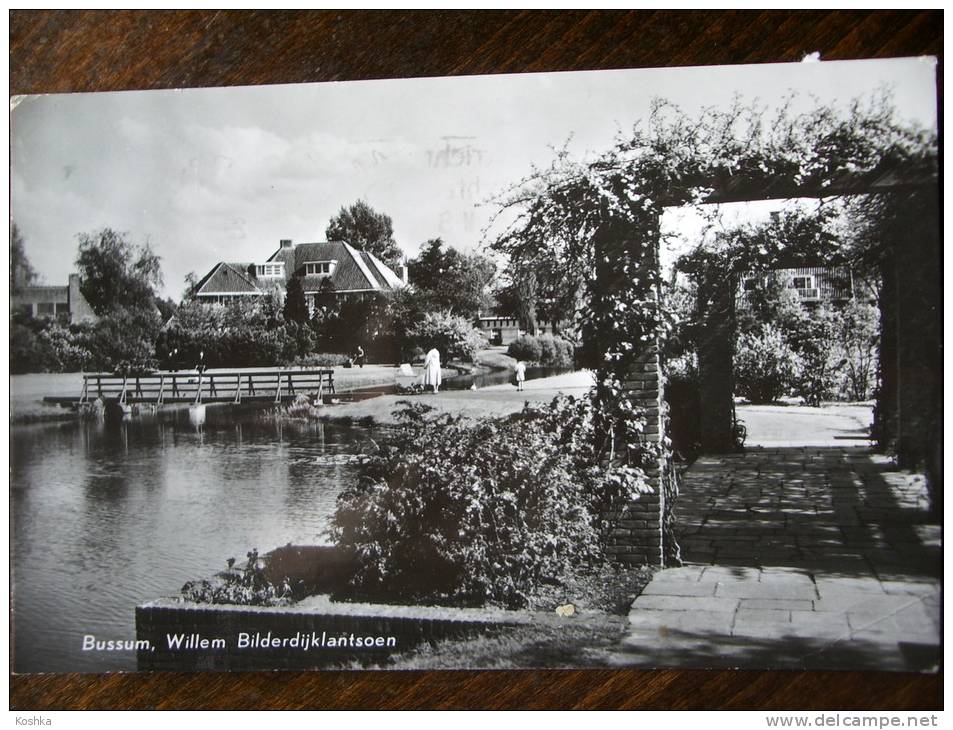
{"x": 407, "y": 381}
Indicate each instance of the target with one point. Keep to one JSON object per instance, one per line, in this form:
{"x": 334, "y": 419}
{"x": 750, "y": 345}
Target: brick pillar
{"x": 644, "y": 535}
{"x": 716, "y": 306}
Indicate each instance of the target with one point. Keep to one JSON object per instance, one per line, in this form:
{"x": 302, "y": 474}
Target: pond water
{"x": 105, "y": 516}
{"x": 109, "y": 515}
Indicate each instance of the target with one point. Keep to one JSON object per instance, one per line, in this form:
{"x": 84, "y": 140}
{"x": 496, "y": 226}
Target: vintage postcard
{"x": 590, "y": 369}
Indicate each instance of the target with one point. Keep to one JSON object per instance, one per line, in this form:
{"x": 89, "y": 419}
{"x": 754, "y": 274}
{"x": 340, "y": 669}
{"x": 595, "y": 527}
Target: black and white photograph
{"x": 589, "y": 369}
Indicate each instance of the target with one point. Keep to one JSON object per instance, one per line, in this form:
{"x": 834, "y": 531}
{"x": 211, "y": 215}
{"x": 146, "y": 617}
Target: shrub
{"x": 455, "y": 337}
{"x": 555, "y": 351}
{"x": 123, "y": 341}
{"x": 858, "y": 338}
{"x": 28, "y": 354}
{"x": 765, "y": 365}
{"x": 242, "y": 334}
{"x": 66, "y": 348}
{"x": 814, "y": 339}
{"x": 246, "y": 586}
{"x": 549, "y": 350}
{"x": 322, "y": 360}
{"x": 471, "y": 513}
{"x": 525, "y": 348}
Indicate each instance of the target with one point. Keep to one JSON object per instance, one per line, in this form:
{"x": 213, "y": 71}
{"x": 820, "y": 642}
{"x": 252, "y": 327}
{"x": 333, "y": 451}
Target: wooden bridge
{"x": 222, "y": 386}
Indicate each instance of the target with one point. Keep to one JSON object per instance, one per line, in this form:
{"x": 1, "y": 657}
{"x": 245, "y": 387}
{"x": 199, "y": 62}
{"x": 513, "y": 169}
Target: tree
{"x": 124, "y": 340}
{"x": 326, "y": 302}
{"x": 364, "y": 228}
{"x": 115, "y": 273}
{"x": 295, "y": 308}
{"x": 21, "y": 271}
{"x": 191, "y": 285}
{"x": 453, "y": 281}
{"x": 525, "y": 288}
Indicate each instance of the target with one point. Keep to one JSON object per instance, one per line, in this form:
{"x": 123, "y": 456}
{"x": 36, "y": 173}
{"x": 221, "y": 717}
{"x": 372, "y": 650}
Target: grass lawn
{"x": 496, "y": 400}
{"x": 495, "y": 357}
{"x": 27, "y": 392}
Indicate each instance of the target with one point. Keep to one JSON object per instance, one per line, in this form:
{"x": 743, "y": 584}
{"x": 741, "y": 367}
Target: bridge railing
{"x": 219, "y": 386}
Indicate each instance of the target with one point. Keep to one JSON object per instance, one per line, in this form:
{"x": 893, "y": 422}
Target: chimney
{"x": 286, "y": 243}
{"x": 404, "y": 273}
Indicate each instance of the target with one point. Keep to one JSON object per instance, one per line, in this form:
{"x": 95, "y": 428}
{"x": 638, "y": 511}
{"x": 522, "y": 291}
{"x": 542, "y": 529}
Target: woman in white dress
{"x": 432, "y": 369}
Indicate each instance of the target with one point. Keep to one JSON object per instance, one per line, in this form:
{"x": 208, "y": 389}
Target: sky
{"x": 206, "y": 175}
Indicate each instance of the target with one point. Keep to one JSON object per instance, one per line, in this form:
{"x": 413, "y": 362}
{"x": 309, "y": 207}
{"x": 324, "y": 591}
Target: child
{"x": 520, "y": 374}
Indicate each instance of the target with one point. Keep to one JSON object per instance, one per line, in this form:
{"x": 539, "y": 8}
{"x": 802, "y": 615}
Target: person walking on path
{"x": 432, "y": 369}
{"x": 520, "y": 374}
{"x": 359, "y": 357}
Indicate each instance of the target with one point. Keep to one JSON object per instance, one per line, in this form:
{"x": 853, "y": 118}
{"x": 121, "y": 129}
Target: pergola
{"x": 910, "y": 396}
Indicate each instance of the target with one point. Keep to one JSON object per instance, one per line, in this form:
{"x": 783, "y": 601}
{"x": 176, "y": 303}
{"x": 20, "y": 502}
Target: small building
{"x": 64, "y": 303}
{"x": 812, "y": 284}
{"x": 354, "y": 274}
{"x": 498, "y": 329}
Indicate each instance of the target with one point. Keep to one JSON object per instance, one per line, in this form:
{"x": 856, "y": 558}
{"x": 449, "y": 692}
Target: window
{"x": 269, "y": 270}
{"x": 45, "y": 309}
{"x": 802, "y": 282}
{"x": 319, "y": 268}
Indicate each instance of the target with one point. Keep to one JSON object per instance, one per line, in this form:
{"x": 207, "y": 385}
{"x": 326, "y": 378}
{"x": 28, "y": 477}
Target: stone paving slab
{"x": 813, "y": 558}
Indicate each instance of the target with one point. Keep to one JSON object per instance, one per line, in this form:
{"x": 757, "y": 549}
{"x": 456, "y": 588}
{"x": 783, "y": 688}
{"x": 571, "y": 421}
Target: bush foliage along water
{"x": 547, "y": 350}
{"x": 240, "y": 334}
{"x": 460, "y": 512}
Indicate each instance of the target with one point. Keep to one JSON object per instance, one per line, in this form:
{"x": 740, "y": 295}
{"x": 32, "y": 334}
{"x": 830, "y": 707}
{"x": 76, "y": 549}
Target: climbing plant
{"x": 602, "y": 216}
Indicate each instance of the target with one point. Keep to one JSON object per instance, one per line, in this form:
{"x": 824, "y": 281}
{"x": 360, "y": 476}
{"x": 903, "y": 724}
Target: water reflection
{"x": 107, "y": 515}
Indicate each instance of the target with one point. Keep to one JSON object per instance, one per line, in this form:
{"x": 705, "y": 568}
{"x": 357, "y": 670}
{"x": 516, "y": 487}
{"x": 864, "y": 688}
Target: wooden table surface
{"x": 61, "y": 51}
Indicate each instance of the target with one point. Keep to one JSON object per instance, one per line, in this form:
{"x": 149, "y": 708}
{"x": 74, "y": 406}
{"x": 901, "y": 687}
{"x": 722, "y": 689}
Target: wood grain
{"x": 69, "y": 51}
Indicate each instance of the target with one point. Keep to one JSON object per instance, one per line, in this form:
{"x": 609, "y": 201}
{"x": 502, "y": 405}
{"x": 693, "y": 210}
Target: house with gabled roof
{"x": 354, "y": 274}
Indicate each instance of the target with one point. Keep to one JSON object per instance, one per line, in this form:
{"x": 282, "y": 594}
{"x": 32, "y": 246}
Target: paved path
{"x": 833, "y": 424}
{"x": 797, "y": 558}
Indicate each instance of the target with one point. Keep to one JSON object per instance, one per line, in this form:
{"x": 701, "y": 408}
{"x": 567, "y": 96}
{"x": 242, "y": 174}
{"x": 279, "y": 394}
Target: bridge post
{"x": 161, "y": 390}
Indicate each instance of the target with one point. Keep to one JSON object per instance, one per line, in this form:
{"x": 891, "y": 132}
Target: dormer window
{"x": 319, "y": 268}
{"x": 270, "y": 270}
